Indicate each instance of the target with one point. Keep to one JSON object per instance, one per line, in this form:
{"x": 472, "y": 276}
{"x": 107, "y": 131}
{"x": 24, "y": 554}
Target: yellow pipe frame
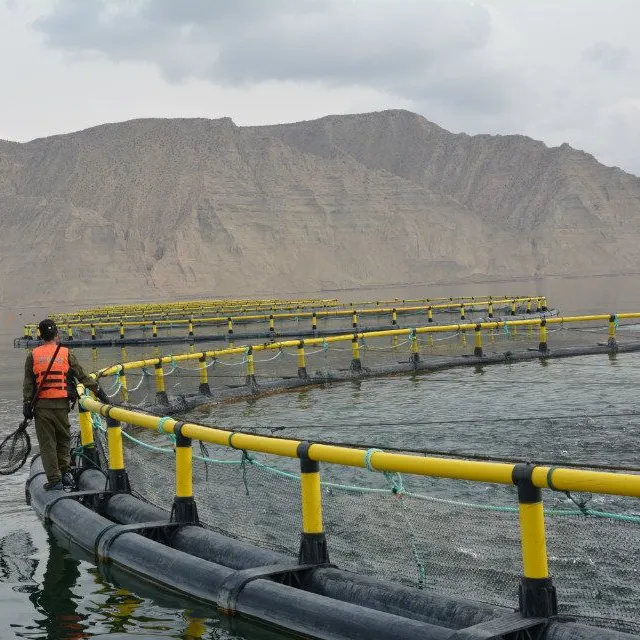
{"x": 311, "y": 493}
{"x": 202, "y": 366}
{"x": 114, "y": 442}
{"x": 159, "y": 373}
{"x": 301, "y": 359}
{"x": 123, "y": 384}
{"x": 563, "y": 479}
{"x": 430, "y": 329}
{"x": 533, "y": 540}
{"x": 86, "y": 428}
{"x": 355, "y": 347}
{"x": 184, "y": 471}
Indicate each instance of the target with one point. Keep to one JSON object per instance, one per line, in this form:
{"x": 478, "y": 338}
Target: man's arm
{"x": 79, "y": 374}
{"x": 29, "y": 384}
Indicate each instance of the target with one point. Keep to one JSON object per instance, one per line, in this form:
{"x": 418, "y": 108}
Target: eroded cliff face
{"x": 152, "y": 209}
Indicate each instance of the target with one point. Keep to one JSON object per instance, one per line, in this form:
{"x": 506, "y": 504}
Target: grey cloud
{"x": 404, "y": 47}
{"x": 607, "y": 56}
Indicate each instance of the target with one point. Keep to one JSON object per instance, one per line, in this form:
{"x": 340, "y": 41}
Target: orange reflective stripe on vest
{"x": 55, "y": 386}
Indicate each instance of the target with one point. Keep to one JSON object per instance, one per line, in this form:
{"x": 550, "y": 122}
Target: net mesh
{"x": 14, "y": 450}
{"x": 456, "y": 537}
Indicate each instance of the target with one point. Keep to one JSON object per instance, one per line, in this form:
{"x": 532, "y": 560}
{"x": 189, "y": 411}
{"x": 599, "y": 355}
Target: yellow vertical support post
{"x": 93, "y": 331}
{"x": 229, "y": 330}
{"x": 429, "y": 314}
{"x": 161, "y": 393}
{"x": 314, "y": 324}
{"x": 611, "y": 342}
{"x": 354, "y": 320}
{"x": 356, "y": 363}
{"x": 490, "y": 308}
{"x": 477, "y": 351}
{"x": 529, "y": 303}
{"x": 394, "y": 324}
{"x": 302, "y": 365}
{"x": 27, "y": 331}
{"x": 272, "y": 326}
{"x": 184, "y": 508}
{"x": 513, "y": 307}
{"x": 251, "y": 374}
{"x": 537, "y": 595}
{"x": 544, "y": 304}
{"x": 462, "y": 313}
{"x": 154, "y": 329}
{"x": 89, "y": 457}
{"x": 122, "y": 377}
{"x": 121, "y": 330}
{"x": 70, "y": 332}
{"x": 313, "y": 543}
{"x": 191, "y": 333}
{"x": 542, "y": 346}
{"x": 117, "y": 474}
{"x": 204, "y": 388}
{"x": 414, "y": 358}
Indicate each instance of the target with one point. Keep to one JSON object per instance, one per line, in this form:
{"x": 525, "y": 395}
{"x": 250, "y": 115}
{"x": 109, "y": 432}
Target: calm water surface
{"x": 50, "y": 592}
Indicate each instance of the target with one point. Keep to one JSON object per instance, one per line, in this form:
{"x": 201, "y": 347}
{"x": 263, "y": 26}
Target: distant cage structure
{"x": 240, "y": 489}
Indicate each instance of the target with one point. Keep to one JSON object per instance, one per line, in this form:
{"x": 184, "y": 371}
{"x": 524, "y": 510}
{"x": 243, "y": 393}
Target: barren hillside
{"x": 159, "y": 208}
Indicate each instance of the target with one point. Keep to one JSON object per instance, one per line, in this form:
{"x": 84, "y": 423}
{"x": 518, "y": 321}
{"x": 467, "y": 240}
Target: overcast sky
{"x": 555, "y": 70}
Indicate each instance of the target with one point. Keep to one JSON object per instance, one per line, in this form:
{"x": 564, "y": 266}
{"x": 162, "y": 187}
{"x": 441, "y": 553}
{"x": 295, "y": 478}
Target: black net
{"x": 14, "y": 450}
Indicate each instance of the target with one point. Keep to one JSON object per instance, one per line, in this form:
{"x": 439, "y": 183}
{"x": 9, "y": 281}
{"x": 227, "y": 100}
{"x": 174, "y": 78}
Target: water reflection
{"x": 74, "y": 600}
{"x": 55, "y": 600}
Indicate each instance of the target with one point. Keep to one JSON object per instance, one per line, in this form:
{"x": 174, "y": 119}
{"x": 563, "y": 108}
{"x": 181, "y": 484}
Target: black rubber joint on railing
{"x": 306, "y": 464}
{"x": 184, "y": 511}
{"x": 181, "y": 440}
{"x": 537, "y": 598}
{"x": 521, "y": 477}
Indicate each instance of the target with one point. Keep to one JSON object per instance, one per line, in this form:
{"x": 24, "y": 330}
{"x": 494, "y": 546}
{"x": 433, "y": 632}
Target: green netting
{"x": 459, "y": 538}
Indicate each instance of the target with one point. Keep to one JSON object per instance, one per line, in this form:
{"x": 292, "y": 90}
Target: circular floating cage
{"x": 461, "y": 540}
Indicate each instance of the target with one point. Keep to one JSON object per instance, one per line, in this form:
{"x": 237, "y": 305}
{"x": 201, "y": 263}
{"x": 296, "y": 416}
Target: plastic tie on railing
{"x": 325, "y": 345}
{"x": 169, "y": 434}
{"x": 367, "y": 458}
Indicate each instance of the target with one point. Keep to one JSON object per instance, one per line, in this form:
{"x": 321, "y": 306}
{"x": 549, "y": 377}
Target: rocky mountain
{"x": 156, "y": 209}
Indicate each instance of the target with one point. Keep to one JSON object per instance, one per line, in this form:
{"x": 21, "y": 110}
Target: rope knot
{"x": 367, "y": 458}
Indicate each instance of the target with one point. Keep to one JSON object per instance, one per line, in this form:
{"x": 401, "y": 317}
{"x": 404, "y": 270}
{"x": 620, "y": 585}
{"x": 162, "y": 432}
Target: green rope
{"x": 246, "y": 458}
{"x": 394, "y": 479}
{"x": 367, "y": 458}
{"x": 169, "y": 434}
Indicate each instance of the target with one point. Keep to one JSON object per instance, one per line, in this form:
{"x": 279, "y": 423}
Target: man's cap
{"x": 48, "y": 329}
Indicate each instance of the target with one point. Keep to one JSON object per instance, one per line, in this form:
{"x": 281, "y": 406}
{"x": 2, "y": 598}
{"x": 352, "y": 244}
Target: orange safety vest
{"x": 55, "y": 386}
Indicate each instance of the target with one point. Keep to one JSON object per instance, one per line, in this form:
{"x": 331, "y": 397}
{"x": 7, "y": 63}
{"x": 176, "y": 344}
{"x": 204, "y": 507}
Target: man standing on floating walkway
{"x": 49, "y": 373}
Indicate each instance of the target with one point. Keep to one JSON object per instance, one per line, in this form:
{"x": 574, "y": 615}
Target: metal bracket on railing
{"x": 499, "y": 627}
{"x": 157, "y": 530}
{"x": 231, "y": 587}
{"x": 103, "y": 495}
